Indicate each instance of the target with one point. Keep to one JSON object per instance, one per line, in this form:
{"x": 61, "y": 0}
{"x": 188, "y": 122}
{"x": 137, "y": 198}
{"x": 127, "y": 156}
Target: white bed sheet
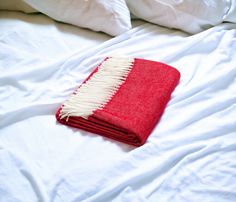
{"x": 37, "y": 37}
{"x": 190, "y": 155}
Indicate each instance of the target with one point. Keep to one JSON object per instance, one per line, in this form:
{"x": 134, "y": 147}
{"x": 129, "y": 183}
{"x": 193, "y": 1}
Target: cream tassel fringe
{"x": 96, "y": 92}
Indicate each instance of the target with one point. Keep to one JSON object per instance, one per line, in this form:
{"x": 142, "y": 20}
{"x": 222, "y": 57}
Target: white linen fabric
{"x": 231, "y": 14}
{"x": 188, "y": 15}
{"x": 28, "y": 40}
{"x": 111, "y": 17}
{"x": 190, "y": 155}
{"x": 16, "y": 5}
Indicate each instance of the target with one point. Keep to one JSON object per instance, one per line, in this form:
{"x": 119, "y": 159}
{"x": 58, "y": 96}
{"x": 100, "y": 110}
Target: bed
{"x": 189, "y": 156}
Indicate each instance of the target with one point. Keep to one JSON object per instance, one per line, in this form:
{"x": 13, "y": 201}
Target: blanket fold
{"x": 122, "y": 99}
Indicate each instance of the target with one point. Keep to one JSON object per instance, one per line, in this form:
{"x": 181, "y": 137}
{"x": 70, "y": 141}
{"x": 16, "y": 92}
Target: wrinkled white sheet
{"x": 190, "y": 155}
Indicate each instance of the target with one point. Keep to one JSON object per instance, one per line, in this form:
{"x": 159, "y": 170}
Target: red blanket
{"x": 129, "y": 111}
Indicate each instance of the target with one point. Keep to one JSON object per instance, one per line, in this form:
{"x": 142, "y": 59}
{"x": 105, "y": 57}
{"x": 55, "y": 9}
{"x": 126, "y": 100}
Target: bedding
{"x": 190, "y": 154}
{"x": 114, "y": 101}
{"x": 16, "y": 5}
{"x": 30, "y": 39}
{"x": 111, "y": 17}
{"x": 187, "y": 15}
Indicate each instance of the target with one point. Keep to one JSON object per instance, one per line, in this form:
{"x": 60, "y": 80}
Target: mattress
{"x": 191, "y": 153}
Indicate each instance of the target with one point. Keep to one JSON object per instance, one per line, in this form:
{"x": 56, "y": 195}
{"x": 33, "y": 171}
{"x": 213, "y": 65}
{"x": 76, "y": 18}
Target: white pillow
{"x": 231, "y": 14}
{"x": 16, "y": 5}
{"x": 192, "y": 16}
{"x": 111, "y": 17}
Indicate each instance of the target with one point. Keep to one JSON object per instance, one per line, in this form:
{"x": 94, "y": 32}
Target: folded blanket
{"x": 122, "y": 99}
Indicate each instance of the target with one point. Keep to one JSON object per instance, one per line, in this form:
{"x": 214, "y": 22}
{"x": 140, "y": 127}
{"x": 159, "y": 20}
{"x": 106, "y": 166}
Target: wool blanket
{"x": 122, "y": 99}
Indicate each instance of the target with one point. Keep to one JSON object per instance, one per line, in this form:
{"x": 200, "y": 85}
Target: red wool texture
{"x": 135, "y": 108}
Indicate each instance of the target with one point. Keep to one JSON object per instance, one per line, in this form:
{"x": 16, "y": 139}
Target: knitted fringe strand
{"x": 97, "y": 91}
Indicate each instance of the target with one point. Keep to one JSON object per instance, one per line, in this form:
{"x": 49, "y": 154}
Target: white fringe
{"x": 96, "y": 92}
